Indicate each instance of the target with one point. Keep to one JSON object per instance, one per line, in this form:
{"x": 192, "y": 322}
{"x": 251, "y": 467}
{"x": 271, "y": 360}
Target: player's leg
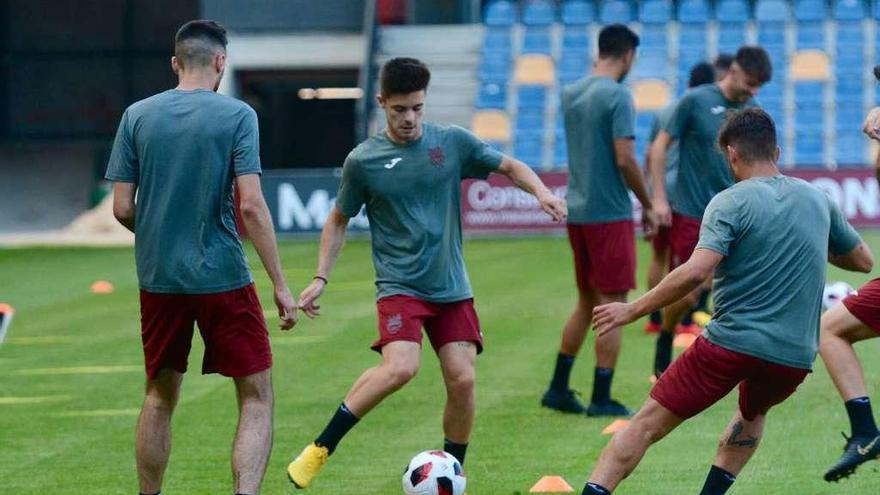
{"x": 625, "y": 450}
{"x": 153, "y": 442}
{"x": 736, "y": 447}
{"x": 656, "y": 271}
{"x": 559, "y": 394}
{"x": 840, "y": 329}
{"x": 253, "y": 438}
{"x": 457, "y": 360}
{"x": 607, "y": 350}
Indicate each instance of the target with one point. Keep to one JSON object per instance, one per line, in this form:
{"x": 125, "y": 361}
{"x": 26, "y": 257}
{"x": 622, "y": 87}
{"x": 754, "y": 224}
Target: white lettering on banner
{"x": 481, "y": 196}
{"x": 861, "y": 196}
{"x": 292, "y": 213}
{"x": 830, "y": 187}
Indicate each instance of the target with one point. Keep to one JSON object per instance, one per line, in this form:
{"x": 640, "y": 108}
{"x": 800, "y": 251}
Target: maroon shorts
{"x": 864, "y": 304}
{"x": 604, "y": 256}
{"x": 660, "y": 242}
{"x": 401, "y": 318}
{"x": 683, "y": 237}
{"x": 231, "y": 324}
{"x": 706, "y": 372}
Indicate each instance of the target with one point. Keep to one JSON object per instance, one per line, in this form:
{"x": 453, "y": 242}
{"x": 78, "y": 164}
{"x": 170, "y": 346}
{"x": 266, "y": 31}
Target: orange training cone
{"x": 102, "y": 287}
{"x": 615, "y": 426}
{"x": 551, "y": 484}
{"x": 684, "y": 340}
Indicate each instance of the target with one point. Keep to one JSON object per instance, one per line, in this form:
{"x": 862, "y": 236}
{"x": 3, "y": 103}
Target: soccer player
{"x": 702, "y": 171}
{"x": 408, "y": 176}
{"x": 599, "y": 128}
{"x": 857, "y": 319}
{"x": 766, "y": 239}
{"x": 722, "y": 64}
{"x": 701, "y": 73}
{"x": 174, "y": 162}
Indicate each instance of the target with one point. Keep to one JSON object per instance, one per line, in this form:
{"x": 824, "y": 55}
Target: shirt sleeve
{"x": 123, "y": 165}
{"x": 480, "y": 159}
{"x": 677, "y": 123}
{"x": 623, "y": 116}
{"x": 246, "y": 151}
{"x": 352, "y": 193}
{"x": 721, "y": 224}
{"x": 842, "y": 237}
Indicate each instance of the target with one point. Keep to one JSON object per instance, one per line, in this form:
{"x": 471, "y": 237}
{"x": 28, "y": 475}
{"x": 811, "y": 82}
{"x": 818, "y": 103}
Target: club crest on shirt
{"x": 436, "y": 156}
{"x": 394, "y": 323}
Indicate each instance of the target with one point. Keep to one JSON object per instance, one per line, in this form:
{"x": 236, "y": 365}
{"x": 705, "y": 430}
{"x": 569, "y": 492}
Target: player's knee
{"x": 160, "y": 399}
{"x": 399, "y": 374}
{"x": 461, "y": 384}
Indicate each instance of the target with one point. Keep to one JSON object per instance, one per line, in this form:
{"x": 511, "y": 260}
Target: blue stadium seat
{"x": 655, "y": 11}
{"x": 692, "y": 37}
{"x": 693, "y": 11}
{"x": 536, "y": 40}
{"x": 560, "y": 151}
{"x": 848, "y": 89}
{"x": 652, "y": 63}
{"x": 575, "y": 39}
{"x": 849, "y": 10}
{"x": 849, "y": 118}
{"x": 500, "y": 13}
{"x": 529, "y": 120}
{"x": 653, "y": 36}
{"x": 850, "y": 149}
{"x": 810, "y": 35}
{"x": 771, "y": 35}
{"x": 728, "y": 11}
{"x": 538, "y": 13}
{"x": 572, "y": 66}
{"x": 577, "y": 12}
{"x": 495, "y": 69}
{"x": 492, "y": 95}
{"x": 529, "y": 147}
{"x": 613, "y": 11}
{"x": 532, "y": 96}
{"x": 497, "y": 39}
{"x": 731, "y": 36}
{"x": 772, "y": 11}
{"x": 810, "y": 10}
{"x": 850, "y": 34}
{"x": 809, "y": 150}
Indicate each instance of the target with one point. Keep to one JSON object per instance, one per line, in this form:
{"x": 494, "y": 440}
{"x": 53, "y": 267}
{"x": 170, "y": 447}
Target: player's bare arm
{"x": 860, "y": 259}
{"x": 872, "y": 124}
{"x": 258, "y": 222}
{"x": 123, "y": 203}
{"x": 673, "y": 287}
{"x": 526, "y": 179}
{"x": 657, "y": 158}
{"x": 625, "y": 158}
{"x": 332, "y": 239}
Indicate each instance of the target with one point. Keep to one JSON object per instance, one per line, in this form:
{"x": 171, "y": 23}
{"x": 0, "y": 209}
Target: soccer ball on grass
{"x": 434, "y": 472}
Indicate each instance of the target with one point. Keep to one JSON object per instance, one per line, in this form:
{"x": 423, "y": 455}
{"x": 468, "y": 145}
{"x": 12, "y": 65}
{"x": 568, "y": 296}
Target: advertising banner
{"x": 300, "y": 200}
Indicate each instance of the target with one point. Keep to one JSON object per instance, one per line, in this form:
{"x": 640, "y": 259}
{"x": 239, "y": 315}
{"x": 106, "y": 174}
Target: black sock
{"x": 656, "y": 317}
{"x": 342, "y": 421}
{"x": 688, "y": 319}
{"x": 602, "y": 385}
{"x": 717, "y": 482}
{"x": 458, "y": 450}
{"x": 157, "y": 493}
{"x": 663, "y": 354}
{"x": 594, "y": 489}
{"x": 562, "y": 372}
{"x": 703, "y": 305}
{"x": 861, "y": 418}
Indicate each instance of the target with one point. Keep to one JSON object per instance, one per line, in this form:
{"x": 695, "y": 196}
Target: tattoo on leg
{"x": 733, "y": 441}
{"x": 464, "y": 344}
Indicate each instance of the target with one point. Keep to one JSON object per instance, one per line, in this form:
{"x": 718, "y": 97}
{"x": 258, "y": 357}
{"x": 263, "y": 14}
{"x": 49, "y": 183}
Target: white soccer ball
{"x": 434, "y": 472}
{"x": 834, "y": 293}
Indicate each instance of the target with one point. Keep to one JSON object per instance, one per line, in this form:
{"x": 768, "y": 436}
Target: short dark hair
{"x": 701, "y": 73}
{"x": 751, "y": 132}
{"x": 723, "y": 62}
{"x": 755, "y": 62}
{"x": 196, "y": 42}
{"x": 404, "y": 75}
{"x": 615, "y": 40}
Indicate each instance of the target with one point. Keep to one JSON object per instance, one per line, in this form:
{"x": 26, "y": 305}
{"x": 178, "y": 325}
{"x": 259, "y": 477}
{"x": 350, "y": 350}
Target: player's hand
{"x": 553, "y": 206}
{"x": 662, "y": 211}
{"x": 286, "y": 307}
{"x": 650, "y": 224}
{"x": 309, "y": 298}
{"x": 610, "y": 316}
{"x": 872, "y": 124}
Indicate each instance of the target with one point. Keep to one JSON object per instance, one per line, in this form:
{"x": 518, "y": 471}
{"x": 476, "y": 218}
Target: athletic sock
{"x": 718, "y": 481}
{"x": 343, "y": 421}
{"x": 861, "y": 418}
{"x": 157, "y": 493}
{"x": 594, "y": 489}
{"x": 703, "y": 305}
{"x": 688, "y": 319}
{"x": 602, "y": 385}
{"x": 562, "y": 372}
{"x": 458, "y": 450}
{"x": 663, "y": 354}
{"x": 656, "y": 317}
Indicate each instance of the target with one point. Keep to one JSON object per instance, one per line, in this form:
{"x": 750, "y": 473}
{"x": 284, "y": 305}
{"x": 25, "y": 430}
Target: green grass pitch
{"x": 72, "y": 382}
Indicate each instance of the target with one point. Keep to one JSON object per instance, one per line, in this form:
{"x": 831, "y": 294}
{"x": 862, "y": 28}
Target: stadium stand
{"x": 821, "y": 88}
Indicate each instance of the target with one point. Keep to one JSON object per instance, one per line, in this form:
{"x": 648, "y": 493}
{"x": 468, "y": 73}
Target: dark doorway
{"x": 307, "y": 117}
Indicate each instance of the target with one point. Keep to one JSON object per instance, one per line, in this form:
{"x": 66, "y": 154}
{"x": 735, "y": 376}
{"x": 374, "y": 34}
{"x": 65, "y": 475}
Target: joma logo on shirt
{"x": 718, "y": 109}
{"x": 436, "y": 156}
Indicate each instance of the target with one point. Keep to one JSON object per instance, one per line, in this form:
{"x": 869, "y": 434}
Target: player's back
{"x": 183, "y": 149}
{"x": 768, "y": 287}
{"x": 597, "y": 110}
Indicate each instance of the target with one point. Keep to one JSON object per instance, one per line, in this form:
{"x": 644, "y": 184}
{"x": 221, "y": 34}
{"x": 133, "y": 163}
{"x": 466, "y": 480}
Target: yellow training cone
{"x": 551, "y": 484}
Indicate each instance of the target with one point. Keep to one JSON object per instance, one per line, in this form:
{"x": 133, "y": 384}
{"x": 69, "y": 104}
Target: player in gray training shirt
{"x": 767, "y": 240}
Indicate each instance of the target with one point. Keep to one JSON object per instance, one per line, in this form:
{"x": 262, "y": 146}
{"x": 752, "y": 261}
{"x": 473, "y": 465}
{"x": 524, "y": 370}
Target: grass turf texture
{"x": 79, "y": 438}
